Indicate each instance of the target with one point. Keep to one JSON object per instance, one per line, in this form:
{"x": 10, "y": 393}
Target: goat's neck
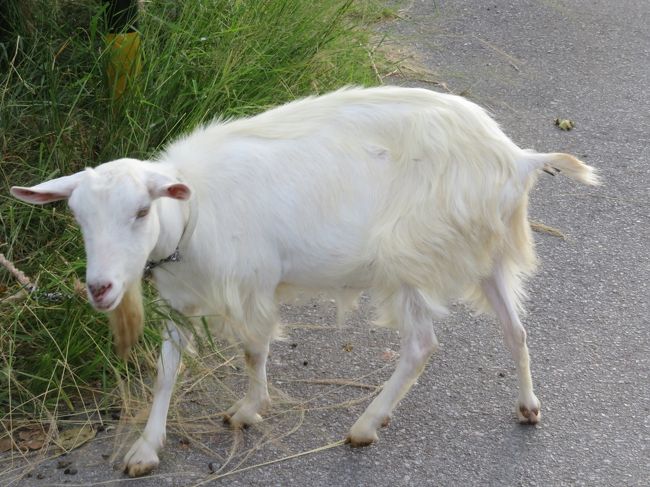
{"x": 173, "y": 216}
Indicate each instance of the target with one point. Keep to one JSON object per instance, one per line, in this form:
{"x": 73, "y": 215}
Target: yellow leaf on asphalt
{"x": 31, "y": 439}
{"x": 565, "y": 123}
{"x": 75, "y": 437}
{"x": 31, "y": 434}
{"x": 5, "y": 444}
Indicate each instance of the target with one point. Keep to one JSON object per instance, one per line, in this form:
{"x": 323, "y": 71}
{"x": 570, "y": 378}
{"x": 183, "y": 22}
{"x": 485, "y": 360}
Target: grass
{"x": 201, "y": 59}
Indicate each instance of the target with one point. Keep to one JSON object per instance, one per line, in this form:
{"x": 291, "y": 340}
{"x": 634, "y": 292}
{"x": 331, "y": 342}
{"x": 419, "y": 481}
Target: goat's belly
{"x": 328, "y": 246}
{"x": 317, "y": 279}
{"x": 335, "y": 256}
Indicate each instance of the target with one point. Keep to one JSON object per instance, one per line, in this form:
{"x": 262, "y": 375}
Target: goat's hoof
{"x": 239, "y": 421}
{"x": 141, "y": 459}
{"x": 361, "y": 436}
{"x": 356, "y": 442}
{"x": 140, "y": 469}
{"x": 529, "y": 412}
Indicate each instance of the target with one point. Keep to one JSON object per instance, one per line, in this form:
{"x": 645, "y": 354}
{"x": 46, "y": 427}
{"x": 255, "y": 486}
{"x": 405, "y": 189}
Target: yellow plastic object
{"x": 124, "y": 62}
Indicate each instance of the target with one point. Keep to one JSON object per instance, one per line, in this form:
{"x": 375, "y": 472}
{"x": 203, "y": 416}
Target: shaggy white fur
{"x": 416, "y": 196}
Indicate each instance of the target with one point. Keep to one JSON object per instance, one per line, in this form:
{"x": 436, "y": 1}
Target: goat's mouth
{"x": 106, "y": 303}
{"x": 106, "y": 306}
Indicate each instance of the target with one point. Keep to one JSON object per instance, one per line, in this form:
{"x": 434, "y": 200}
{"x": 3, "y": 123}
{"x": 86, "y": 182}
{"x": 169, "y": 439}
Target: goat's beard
{"x": 127, "y": 320}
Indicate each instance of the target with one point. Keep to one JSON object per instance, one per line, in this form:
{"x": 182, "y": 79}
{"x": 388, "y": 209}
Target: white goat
{"x": 416, "y": 196}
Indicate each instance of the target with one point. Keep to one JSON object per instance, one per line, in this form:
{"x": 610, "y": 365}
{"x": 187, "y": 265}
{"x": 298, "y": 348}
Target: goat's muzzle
{"x": 100, "y": 295}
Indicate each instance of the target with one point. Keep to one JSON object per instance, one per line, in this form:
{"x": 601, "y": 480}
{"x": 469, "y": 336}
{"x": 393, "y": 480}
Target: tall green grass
{"x": 201, "y": 59}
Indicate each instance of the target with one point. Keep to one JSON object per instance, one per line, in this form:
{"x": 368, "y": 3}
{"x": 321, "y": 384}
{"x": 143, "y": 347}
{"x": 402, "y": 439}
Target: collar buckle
{"x": 152, "y": 264}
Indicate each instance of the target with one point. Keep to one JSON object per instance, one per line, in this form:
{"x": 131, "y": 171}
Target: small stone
{"x": 501, "y": 374}
{"x": 214, "y": 467}
{"x": 63, "y": 464}
{"x": 293, "y": 345}
{"x": 305, "y": 363}
{"x": 70, "y": 471}
{"x": 40, "y": 476}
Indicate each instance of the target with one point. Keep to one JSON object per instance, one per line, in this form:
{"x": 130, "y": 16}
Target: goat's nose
{"x": 97, "y": 291}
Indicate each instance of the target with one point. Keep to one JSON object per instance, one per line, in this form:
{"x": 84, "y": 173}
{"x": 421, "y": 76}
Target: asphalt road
{"x": 528, "y": 62}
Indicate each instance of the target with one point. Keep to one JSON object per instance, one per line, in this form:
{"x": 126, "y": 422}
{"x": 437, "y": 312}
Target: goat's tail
{"x": 557, "y": 162}
{"x": 127, "y": 320}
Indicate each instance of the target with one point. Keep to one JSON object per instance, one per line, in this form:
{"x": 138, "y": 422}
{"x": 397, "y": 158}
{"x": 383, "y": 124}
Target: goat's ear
{"x": 179, "y": 191}
{"x": 49, "y": 191}
{"x": 163, "y": 186}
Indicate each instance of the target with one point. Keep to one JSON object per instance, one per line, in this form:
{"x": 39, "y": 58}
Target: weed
{"x": 201, "y": 60}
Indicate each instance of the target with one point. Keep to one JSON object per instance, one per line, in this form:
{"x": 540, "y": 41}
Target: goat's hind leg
{"x": 142, "y": 458}
{"x": 257, "y": 332}
{"x": 246, "y": 411}
{"x": 418, "y": 341}
{"x": 497, "y": 293}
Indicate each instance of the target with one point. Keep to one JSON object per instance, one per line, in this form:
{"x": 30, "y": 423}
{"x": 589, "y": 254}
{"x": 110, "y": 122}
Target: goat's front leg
{"x": 246, "y": 411}
{"x": 142, "y": 458}
{"x": 494, "y": 287}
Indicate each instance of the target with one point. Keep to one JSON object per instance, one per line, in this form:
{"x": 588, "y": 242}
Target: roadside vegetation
{"x": 200, "y": 60}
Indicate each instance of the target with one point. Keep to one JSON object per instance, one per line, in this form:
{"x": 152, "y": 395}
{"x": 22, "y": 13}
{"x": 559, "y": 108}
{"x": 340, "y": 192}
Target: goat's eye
{"x": 142, "y": 212}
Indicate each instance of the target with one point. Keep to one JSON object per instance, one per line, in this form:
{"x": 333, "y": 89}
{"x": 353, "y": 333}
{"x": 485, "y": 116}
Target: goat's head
{"x": 112, "y": 205}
